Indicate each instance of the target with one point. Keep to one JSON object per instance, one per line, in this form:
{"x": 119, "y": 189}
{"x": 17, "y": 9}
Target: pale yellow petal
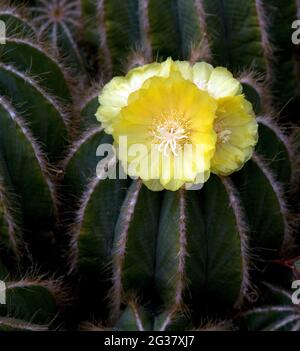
{"x": 185, "y": 69}
{"x": 201, "y": 74}
{"x": 221, "y": 83}
{"x": 153, "y": 185}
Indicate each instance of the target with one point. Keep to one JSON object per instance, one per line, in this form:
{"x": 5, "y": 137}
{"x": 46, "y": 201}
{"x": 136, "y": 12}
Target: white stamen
{"x": 224, "y": 136}
{"x": 169, "y": 138}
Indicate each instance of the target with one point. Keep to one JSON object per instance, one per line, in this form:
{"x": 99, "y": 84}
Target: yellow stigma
{"x": 170, "y": 131}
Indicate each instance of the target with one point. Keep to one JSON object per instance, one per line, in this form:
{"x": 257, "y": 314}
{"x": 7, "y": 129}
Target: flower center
{"x": 222, "y": 133}
{"x": 170, "y": 134}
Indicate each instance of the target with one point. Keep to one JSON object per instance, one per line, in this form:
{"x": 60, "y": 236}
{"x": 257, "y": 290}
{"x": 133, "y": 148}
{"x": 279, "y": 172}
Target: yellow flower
{"x": 115, "y": 94}
{"x": 236, "y": 128}
{"x": 235, "y": 122}
{"x": 189, "y": 119}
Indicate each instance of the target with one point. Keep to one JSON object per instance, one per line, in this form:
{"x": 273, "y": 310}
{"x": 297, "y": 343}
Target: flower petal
{"x": 221, "y": 83}
{"x": 201, "y": 74}
{"x": 236, "y": 121}
{"x": 114, "y": 95}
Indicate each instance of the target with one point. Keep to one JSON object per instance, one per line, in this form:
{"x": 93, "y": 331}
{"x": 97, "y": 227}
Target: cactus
{"x": 32, "y": 301}
{"x": 137, "y": 318}
{"x": 279, "y": 314}
{"x": 136, "y": 259}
